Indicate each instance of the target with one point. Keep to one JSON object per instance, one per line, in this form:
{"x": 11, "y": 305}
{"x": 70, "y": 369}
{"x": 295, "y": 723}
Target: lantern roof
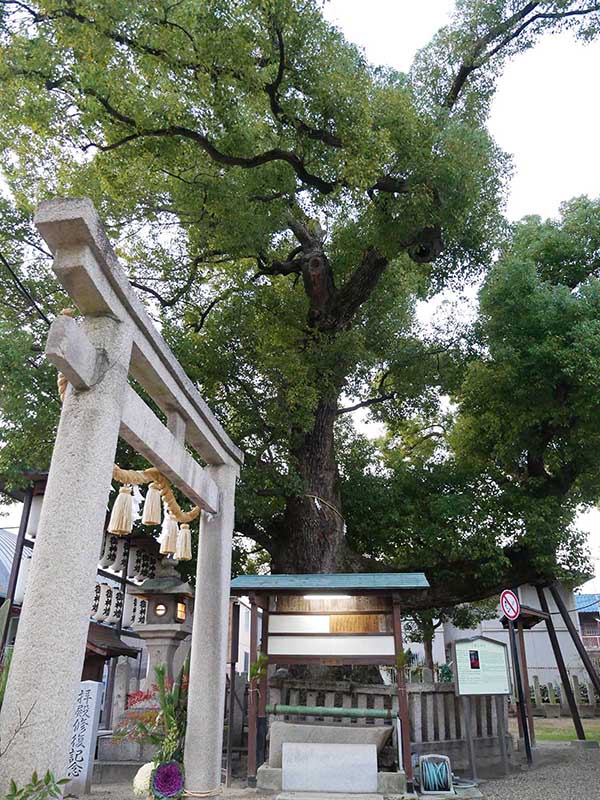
{"x": 163, "y": 584}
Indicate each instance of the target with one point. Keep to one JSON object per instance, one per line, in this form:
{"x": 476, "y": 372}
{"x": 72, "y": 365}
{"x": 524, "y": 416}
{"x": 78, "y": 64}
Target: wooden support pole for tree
{"x": 252, "y": 695}
{"x": 584, "y": 655}
{"x": 402, "y": 694}
{"x": 525, "y": 674}
{"x": 564, "y": 676}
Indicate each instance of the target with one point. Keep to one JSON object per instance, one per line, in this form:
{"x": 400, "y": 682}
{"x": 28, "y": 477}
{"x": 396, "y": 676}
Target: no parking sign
{"x": 509, "y": 603}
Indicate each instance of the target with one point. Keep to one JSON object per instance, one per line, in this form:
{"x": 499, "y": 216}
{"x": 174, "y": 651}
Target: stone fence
{"x": 436, "y": 715}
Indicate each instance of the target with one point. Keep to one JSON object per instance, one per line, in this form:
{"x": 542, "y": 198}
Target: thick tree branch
{"x": 272, "y": 89}
{"x": 370, "y": 401}
{"x": 508, "y": 33}
{"x": 359, "y": 287}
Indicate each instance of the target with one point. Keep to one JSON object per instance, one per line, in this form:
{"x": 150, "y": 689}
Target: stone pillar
{"x": 162, "y": 643}
{"x": 39, "y": 705}
{"x": 121, "y": 689}
{"x": 204, "y": 736}
{"x": 537, "y": 692}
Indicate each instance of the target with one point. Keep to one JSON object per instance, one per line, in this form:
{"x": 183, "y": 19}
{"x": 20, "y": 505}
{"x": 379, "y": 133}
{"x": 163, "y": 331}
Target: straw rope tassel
{"x": 183, "y": 551}
{"x": 152, "y": 514}
{"x": 168, "y": 537}
{"x": 121, "y": 518}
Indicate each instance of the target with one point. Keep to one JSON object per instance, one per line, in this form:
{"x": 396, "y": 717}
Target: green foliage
{"x": 4, "y": 670}
{"x": 37, "y": 788}
{"x": 528, "y": 407}
{"x": 165, "y": 728}
{"x": 258, "y": 668}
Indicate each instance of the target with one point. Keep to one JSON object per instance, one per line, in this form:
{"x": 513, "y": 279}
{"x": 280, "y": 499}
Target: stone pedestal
{"x": 162, "y": 642}
{"x": 43, "y": 684}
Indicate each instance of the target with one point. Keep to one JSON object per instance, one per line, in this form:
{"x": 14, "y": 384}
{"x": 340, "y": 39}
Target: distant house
{"x": 588, "y": 611}
{"x": 8, "y": 542}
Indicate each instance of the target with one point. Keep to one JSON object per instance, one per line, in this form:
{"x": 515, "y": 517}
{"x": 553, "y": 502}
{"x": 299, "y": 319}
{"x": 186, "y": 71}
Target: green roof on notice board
{"x": 356, "y": 582}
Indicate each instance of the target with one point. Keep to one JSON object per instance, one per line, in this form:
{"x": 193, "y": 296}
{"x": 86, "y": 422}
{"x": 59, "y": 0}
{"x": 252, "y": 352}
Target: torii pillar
{"x": 115, "y": 338}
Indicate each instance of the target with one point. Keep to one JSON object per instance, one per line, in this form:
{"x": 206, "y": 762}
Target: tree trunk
{"x": 314, "y": 539}
{"x": 428, "y": 647}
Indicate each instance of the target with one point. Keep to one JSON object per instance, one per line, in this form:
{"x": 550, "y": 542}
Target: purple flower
{"x": 167, "y": 780}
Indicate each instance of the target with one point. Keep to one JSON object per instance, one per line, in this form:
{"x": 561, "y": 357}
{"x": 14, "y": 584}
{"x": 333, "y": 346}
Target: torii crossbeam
{"x": 114, "y": 339}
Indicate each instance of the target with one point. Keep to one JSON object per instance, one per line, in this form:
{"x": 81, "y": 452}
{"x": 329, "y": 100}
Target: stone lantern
{"x": 168, "y": 616}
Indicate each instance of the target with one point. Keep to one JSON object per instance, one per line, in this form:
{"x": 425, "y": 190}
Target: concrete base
{"x": 331, "y": 796}
{"x": 586, "y": 711}
{"x": 551, "y": 710}
{"x": 390, "y": 784}
{"x": 585, "y": 744}
{"x": 115, "y": 772}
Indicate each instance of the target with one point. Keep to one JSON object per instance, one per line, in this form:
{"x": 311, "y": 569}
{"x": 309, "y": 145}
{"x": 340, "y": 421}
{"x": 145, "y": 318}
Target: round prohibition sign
{"x": 509, "y": 603}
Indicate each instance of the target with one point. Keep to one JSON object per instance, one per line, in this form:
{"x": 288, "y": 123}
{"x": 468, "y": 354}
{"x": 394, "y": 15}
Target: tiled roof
{"x": 588, "y": 602}
{"x": 368, "y": 582}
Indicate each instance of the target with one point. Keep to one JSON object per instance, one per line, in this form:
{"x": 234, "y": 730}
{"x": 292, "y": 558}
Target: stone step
{"x": 115, "y": 771}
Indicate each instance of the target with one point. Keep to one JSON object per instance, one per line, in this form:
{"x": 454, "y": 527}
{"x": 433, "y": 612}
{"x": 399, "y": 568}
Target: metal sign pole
{"x": 520, "y": 693}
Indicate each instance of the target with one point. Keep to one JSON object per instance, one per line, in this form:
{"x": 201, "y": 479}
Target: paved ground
{"x": 560, "y": 772}
{"x": 124, "y": 792}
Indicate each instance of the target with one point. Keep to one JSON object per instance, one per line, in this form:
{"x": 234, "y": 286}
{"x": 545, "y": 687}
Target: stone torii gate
{"x": 114, "y": 339}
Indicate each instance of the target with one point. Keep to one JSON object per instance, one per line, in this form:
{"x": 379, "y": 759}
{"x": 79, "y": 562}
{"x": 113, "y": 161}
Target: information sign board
{"x": 481, "y": 666}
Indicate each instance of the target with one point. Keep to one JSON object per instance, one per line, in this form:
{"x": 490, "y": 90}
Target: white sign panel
{"x": 481, "y": 667}
{"x": 83, "y": 740}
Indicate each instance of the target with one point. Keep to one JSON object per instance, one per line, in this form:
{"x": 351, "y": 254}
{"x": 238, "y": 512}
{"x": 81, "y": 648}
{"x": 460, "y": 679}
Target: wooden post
{"x": 515, "y": 694}
{"x": 402, "y": 696}
{"x": 261, "y": 727}
{"x": 499, "y": 700}
{"x": 583, "y": 654}
{"x": 252, "y": 695}
{"x": 468, "y": 731}
{"x": 234, "y": 638}
{"x": 520, "y": 692}
{"x": 525, "y": 674}
{"x": 561, "y": 665}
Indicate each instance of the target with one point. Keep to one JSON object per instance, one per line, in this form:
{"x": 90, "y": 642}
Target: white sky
{"x": 546, "y": 114}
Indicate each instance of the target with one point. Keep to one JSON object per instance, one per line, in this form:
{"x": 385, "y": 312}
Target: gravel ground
{"x": 560, "y": 772}
{"x": 119, "y": 791}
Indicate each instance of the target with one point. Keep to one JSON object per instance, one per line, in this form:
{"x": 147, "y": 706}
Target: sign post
{"x": 511, "y": 608}
{"x": 481, "y": 668}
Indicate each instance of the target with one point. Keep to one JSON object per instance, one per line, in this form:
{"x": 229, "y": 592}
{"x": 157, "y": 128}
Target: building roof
{"x": 8, "y": 544}
{"x": 350, "y": 582}
{"x": 588, "y": 603}
{"x": 105, "y": 641}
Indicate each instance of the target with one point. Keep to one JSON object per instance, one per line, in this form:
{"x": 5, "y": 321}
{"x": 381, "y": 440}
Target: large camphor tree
{"x": 283, "y": 205}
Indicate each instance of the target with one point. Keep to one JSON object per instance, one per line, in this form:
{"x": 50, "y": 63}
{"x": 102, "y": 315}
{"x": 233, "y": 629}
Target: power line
{"x": 23, "y": 290}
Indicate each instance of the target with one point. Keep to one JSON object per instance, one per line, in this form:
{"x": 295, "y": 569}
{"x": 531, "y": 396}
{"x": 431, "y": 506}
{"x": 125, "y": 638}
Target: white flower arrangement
{"x": 141, "y": 782}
